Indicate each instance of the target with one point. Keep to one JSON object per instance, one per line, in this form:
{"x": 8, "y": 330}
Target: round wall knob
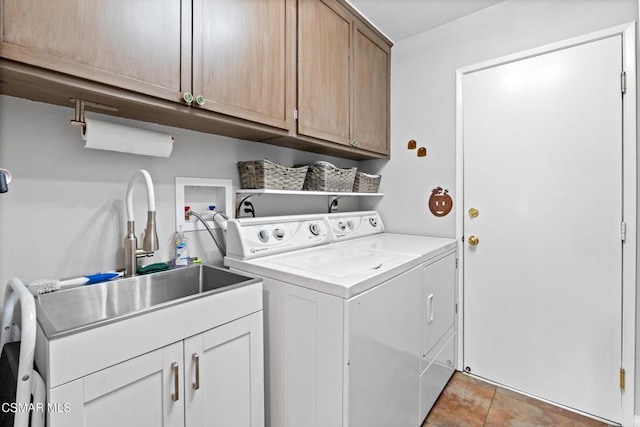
{"x": 473, "y": 240}
{"x": 200, "y": 100}
{"x": 188, "y": 97}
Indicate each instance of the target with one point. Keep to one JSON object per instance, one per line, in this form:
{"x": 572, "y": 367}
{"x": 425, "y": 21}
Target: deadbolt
{"x": 473, "y": 240}
{"x": 473, "y": 212}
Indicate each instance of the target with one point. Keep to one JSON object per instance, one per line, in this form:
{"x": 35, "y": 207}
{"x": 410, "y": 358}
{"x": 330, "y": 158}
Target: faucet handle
{"x": 150, "y": 236}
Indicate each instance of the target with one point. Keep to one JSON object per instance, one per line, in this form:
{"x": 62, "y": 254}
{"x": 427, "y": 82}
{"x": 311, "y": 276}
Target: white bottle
{"x": 182, "y": 250}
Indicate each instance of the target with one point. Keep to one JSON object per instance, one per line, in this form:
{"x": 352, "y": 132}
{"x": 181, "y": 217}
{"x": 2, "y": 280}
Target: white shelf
{"x": 306, "y": 193}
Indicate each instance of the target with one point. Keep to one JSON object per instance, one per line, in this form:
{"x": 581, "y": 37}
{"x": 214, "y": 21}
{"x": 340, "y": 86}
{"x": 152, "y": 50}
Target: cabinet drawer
{"x": 435, "y": 377}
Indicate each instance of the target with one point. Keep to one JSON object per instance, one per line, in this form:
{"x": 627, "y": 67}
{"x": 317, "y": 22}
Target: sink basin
{"x": 68, "y": 311}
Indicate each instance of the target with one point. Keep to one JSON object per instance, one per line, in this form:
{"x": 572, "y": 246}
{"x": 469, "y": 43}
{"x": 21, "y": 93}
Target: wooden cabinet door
{"x": 144, "y": 46}
{"x": 324, "y": 71}
{"x": 243, "y": 58}
{"x": 225, "y": 375}
{"x": 371, "y": 62}
{"x": 138, "y": 392}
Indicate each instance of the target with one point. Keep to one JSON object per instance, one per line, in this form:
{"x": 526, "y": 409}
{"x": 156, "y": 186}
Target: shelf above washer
{"x": 245, "y": 194}
{"x": 306, "y": 193}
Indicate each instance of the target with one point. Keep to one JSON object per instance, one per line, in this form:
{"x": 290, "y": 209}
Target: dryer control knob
{"x": 373, "y": 221}
{"x": 278, "y": 233}
{"x": 350, "y": 225}
{"x": 342, "y": 226}
{"x": 263, "y": 235}
{"x": 314, "y": 229}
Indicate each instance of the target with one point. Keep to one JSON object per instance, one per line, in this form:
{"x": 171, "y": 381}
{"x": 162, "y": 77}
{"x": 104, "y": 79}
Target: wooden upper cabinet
{"x": 343, "y": 77}
{"x": 371, "y": 90}
{"x": 142, "y": 46}
{"x": 241, "y": 58}
{"x": 324, "y": 70}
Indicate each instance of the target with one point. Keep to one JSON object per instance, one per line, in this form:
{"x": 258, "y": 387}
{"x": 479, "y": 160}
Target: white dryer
{"x": 359, "y": 323}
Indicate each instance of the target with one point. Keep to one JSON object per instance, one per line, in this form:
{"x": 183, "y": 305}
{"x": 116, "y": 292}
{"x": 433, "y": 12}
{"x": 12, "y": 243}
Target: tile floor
{"x": 467, "y": 401}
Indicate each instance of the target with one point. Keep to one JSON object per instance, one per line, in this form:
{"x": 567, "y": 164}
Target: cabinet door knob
{"x": 196, "y": 359}
{"x": 176, "y": 382}
{"x": 473, "y": 240}
{"x": 355, "y": 143}
{"x": 188, "y": 97}
{"x": 200, "y": 100}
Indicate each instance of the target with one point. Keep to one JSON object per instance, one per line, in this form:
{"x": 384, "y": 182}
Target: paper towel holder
{"x": 79, "y": 119}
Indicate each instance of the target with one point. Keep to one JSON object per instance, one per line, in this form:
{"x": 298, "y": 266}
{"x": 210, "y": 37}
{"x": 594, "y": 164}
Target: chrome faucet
{"x": 150, "y": 238}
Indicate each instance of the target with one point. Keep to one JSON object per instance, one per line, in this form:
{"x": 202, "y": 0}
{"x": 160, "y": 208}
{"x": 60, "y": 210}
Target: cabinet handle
{"x": 430, "y": 308}
{"x": 196, "y": 360}
{"x": 176, "y": 381}
{"x": 355, "y": 143}
{"x": 188, "y": 97}
{"x": 200, "y": 100}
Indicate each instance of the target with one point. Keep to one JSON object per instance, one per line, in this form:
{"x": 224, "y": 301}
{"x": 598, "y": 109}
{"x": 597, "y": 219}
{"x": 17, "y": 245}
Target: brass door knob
{"x": 473, "y": 212}
{"x": 473, "y": 240}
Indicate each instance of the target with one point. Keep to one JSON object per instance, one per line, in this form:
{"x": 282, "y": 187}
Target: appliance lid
{"x": 344, "y": 269}
{"x": 336, "y": 262}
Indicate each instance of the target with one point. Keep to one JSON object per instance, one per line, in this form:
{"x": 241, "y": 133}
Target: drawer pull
{"x": 176, "y": 381}
{"x": 196, "y": 359}
{"x": 430, "y": 308}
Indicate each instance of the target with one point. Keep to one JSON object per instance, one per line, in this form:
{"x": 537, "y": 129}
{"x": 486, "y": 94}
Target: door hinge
{"x": 621, "y": 378}
{"x": 295, "y": 114}
{"x": 456, "y": 262}
{"x": 623, "y": 231}
{"x": 623, "y": 82}
{"x": 456, "y": 307}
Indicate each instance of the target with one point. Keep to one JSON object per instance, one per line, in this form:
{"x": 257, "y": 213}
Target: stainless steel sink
{"x": 71, "y": 310}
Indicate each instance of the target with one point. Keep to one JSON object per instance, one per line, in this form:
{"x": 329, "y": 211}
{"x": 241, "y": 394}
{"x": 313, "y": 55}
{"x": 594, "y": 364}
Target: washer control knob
{"x": 350, "y": 225}
{"x": 314, "y": 229}
{"x": 278, "y": 233}
{"x": 342, "y": 226}
{"x": 263, "y": 235}
{"x": 373, "y": 221}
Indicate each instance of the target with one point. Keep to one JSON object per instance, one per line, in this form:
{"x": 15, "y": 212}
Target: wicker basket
{"x": 366, "y": 183}
{"x": 324, "y": 176}
{"x": 264, "y": 174}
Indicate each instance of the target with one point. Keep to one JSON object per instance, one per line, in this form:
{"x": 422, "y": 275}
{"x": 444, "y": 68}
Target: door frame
{"x": 630, "y": 187}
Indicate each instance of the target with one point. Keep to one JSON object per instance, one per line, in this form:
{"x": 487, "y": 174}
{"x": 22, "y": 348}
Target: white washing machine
{"x": 359, "y": 323}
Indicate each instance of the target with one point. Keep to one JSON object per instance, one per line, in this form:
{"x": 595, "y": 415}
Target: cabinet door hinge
{"x": 623, "y": 82}
{"x": 623, "y": 231}
{"x": 295, "y": 114}
{"x": 456, "y": 262}
{"x": 621, "y": 378}
{"x": 456, "y": 307}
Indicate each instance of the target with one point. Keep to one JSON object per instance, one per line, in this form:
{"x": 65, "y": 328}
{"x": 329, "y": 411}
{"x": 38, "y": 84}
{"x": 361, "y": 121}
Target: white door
{"x": 542, "y": 152}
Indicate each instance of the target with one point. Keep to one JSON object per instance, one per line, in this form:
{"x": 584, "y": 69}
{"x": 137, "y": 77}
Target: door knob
{"x": 473, "y": 240}
{"x": 473, "y": 212}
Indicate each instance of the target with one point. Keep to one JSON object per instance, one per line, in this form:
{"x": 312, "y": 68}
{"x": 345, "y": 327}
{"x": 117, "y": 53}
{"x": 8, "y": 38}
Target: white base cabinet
{"x": 213, "y": 378}
{"x": 196, "y": 363}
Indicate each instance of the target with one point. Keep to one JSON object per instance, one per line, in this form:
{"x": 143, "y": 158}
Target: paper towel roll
{"x": 114, "y": 137}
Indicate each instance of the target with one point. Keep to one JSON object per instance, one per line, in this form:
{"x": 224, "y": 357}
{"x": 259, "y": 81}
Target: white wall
{"x": 423, "y": 94}
{"x": 423, "y": 97}
{"x": 64, "y": 213}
